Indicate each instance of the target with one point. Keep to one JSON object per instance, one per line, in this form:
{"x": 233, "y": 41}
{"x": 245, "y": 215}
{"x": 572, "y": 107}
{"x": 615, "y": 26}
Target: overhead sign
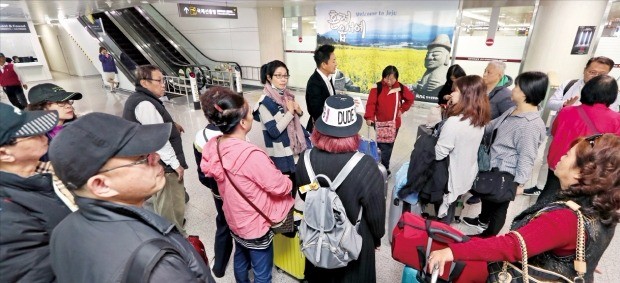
{"x": 207, "y": 11}
{"x": 14, "y": 27}
{"x": 97, "y": 26}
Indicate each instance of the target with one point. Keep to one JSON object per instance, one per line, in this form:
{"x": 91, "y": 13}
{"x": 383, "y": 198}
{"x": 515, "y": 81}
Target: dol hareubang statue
{"x": 436, "y": 62}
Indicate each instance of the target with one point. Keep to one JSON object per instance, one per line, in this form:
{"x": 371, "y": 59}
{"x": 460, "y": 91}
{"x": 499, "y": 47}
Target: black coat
{"x": 316, "y": 94}
{"x": 363, "y": 187}
{"x": 94, "y": 244}
{"x": 29, "y": 211}
{"x": 426, "y": 176}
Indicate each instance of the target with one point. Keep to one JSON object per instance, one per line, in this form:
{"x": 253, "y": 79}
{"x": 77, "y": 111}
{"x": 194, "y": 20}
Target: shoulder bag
{"x": 386, "y": 131}
{"x": 506, "y": 272}
{"x": 284, "y": 226}
{"x": 586, "y": 119}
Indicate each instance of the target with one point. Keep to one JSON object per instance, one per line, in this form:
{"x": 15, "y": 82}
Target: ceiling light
{"x": 3, "y": 5}
{"x": 144, "y": 2}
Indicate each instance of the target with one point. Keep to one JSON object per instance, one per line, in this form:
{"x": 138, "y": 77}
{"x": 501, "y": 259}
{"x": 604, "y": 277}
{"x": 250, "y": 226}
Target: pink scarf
{"x": 294, "y": 129}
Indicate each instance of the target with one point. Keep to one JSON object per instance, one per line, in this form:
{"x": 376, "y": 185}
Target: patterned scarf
{"x": 294, "y": 129}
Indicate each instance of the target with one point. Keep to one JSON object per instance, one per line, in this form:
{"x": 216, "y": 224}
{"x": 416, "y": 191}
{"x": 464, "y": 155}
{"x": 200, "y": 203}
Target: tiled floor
{"x": 201, "y": 212}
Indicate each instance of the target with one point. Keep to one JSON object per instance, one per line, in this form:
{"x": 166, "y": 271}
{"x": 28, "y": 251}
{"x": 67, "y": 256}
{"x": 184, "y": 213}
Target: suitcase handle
{"x": 433, "y": 233}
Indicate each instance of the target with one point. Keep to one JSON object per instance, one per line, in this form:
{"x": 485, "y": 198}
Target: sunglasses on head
{"x": 592, "y": 138}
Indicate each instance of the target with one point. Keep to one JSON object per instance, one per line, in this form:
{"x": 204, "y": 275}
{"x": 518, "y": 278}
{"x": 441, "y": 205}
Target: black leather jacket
{"x": 94, "y": 245}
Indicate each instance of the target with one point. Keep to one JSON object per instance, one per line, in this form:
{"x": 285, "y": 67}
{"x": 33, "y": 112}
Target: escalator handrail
{"x": 170, "y": 57}
{"x": 143, "y": 46}
{"x": 138, "y": 25}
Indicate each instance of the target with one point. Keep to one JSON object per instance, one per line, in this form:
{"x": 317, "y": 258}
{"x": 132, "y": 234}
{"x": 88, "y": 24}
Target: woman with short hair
{"x": 518, "y": 133}
{"x": 588, "y": 176}
{"x": 387, "y": 102}
{"x": 591, "y": 117}
{"x": 244, "y": 171}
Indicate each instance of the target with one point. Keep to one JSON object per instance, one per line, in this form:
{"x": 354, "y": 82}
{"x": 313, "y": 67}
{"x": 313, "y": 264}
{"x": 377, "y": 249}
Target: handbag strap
{"x": 237, "y": 188}
{"x": 580, "y": 265}
{"x": 586, "y": 119}
{"x": 524, "y": 267}
{"x": 580, "y": 261}
{"x": 494, "y": 133}
{"x": 396, "y": 105}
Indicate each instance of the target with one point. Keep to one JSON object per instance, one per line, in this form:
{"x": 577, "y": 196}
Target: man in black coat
{"x": 111, "y": 166}
{"x": 320, "y": 85}
{"x": 29, "y": 206}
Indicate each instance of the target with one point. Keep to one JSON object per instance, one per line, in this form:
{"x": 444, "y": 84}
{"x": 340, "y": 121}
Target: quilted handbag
{"x": 506, "y": 272}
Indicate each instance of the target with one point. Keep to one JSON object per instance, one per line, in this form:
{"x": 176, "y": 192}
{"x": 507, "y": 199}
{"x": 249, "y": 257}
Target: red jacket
{"x": 8, "y": 77}
{"x": 381, "y": 107}
{"x": 569, "y": 125}
{"x": 555, "y": 230}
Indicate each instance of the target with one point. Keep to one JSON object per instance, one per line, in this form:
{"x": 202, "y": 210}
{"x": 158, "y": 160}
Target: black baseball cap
{"x": 51, "y": 93}
{"x": 80, "y": 150}
{"x": 339, "y": 118}
{"x": 15, "y": 123}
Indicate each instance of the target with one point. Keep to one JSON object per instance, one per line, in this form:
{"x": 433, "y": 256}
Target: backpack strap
{"x": 568, "y": 86}
{"x": 346, "y": 170}
{"x": 143, "y": 260}
{"x": 342, "y": 175}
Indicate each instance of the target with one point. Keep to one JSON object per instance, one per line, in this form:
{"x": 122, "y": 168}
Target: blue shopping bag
{"x": 369, "y": 146}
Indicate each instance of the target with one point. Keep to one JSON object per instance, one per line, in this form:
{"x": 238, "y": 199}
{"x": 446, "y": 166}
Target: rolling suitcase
{"x": 409, "y": 275}
{"x": 287, "y": 256}
{"x": 414, "y": 238}
{"x": 396, "y": 205}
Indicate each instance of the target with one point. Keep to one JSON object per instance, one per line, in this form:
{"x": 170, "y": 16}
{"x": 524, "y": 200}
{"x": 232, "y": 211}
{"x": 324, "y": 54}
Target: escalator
{"x": 148, "y": 39}
{"x": 157, "y": 38}
{"x": 125, "y": 45}
{"x": 163, "y": 54}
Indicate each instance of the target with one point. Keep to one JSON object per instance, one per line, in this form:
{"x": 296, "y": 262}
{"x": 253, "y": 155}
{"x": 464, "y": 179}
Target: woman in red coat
{"x": 588, "y": 176}
{"x": 386, "y": 103}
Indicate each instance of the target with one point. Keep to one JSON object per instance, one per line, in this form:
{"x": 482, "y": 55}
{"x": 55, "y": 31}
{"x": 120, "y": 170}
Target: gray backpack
{"x": 328, "y": 239}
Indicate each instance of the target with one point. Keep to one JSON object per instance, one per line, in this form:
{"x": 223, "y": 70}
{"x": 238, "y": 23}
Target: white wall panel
{"x": 220, "y": 39}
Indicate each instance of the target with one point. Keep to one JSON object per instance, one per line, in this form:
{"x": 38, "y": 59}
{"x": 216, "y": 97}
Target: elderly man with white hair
{"x": 497, "y": 87}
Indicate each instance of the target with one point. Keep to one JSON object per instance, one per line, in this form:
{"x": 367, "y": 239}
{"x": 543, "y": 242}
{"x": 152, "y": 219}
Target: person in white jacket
{"x": 461, "y": 134}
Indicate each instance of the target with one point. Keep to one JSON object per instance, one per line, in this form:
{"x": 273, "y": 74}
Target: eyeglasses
{"x": 592, "y": 138}
{"x": 595, "y": 73}
{"x": 63, "y": 103}
{"x": 150, "y": 159}
{"x": 280, "y": 76}
{"x": 161, "y": 81}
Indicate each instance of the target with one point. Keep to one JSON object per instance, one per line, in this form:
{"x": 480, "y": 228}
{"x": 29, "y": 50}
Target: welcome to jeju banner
{"x": 372, "y": 35}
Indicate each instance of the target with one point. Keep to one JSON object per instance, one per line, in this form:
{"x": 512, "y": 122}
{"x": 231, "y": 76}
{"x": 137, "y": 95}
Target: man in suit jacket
{"x": 320, "y": 85}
